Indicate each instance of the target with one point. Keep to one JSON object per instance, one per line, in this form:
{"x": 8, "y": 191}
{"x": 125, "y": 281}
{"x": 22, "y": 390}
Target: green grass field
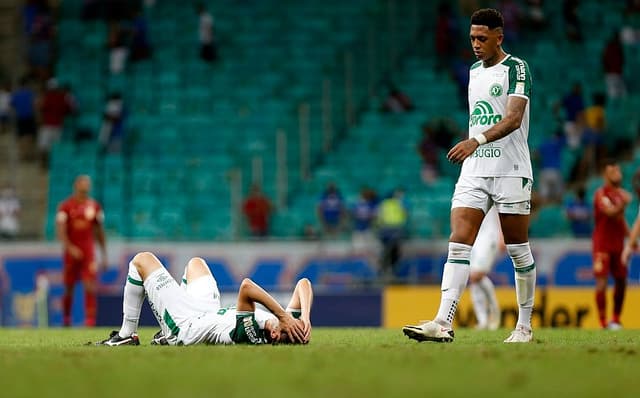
{"x": 337, "y": 363}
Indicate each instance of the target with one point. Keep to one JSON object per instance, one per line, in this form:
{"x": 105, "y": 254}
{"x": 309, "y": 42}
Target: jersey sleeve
{"x": 62, "y": 214}
{"x": 247, "y": 331}
{"x": 519, "y": 79}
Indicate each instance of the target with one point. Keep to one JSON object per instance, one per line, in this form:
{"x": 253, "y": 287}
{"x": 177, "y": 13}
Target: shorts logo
{"x": 495, "y": 90}
{"x": 483, "y": 114}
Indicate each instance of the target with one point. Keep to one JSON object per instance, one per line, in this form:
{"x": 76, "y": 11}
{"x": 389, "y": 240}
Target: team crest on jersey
{"x": 89, "y": 212}
{"x": 483, "y": 114}
{"x": 495, "y": 90}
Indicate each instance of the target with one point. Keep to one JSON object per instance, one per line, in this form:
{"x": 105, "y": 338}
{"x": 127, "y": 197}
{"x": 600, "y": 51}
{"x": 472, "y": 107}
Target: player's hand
{"x": 295, "y": 330}
{"x": 462, "y": 150}
{"x": 75, "y": 252}
{"x": 307, "y": 329}
{"x": 626, "y": 254}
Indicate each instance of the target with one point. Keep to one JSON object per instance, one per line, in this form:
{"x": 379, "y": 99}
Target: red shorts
{"x": 79, "y": 270}
{"x": 608, "y": 262}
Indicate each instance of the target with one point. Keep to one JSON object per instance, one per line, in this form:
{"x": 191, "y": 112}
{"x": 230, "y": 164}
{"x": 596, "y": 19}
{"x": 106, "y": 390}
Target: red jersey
{"x": 55, "y": 107}
{"x": 80, "y": 219}
{"x": 609, "y": 232}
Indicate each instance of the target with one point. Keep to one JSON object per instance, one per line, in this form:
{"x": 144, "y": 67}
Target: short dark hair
{"x": 489, "y": 17}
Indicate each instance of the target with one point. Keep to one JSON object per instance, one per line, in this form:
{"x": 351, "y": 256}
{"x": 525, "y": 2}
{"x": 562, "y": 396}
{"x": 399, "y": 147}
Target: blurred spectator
{"x": 208, "y": 48}
{"x": 70, "y": 97}
{"x": 23, "y": 103}
{"x": 612, "y": 64}
{"x": 118, "y": 48}
{"x": 9, "y": 210}
{"x": 551, "y": 184}
{"x": 397, "y": 101}
{"x": 595, "y": 120}
{"x": 511, "y": 15}
{"x": 331, "y": 211}
{"x": 257, "y": 209}
{"x": 572, "y": 24}
{"x": 446, "y": 36}
{"x": 633, "y": 7}
{"x": 392, "y": 221}
{"x": 39, "y": 28}
{"x": 140, "y": 47}
{"x": 363, "y": 213}
{"x": 429, "y": 153}
{"x": 579, "y": 215}
{"x": 536, "y": 19}
{"x": 112, "y": 130}
{"x": 573, "y": 105}
{"x": 5, "y": 106}
{"x": 460, "y": 73}
{"x": 53, "y": 110}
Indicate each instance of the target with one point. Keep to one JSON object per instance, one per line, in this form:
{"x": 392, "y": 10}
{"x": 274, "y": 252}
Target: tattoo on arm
{"x": 516, "y": 107}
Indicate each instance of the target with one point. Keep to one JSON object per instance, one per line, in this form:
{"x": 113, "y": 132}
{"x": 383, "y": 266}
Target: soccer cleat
{"x": 115, "y": 340}
{"x": 159, "y": 339}
{"x": 521, "y": 334}
{"x": 614, "y": 326}
{"x": 429, "y": 331}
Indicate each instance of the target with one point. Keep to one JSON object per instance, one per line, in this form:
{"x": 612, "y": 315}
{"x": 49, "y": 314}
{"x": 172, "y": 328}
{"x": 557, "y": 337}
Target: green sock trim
{"x": 171, "y": 323}
{"x": 456, "y": 261}
{"x": 525, "y": 269}
{"x": 184, "y": 280}
{"x": 134, "y": 282}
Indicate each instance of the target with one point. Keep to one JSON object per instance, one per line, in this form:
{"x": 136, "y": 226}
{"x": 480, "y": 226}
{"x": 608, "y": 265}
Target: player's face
{"x": 83, "y": 187}
{"x": 613, "y": 174}
{"x": 485, "y": 42}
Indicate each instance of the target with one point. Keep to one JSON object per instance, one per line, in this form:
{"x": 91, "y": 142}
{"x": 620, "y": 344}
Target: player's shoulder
{"x": 65, "y": 203}
{"x": 475, "y": 65}
{"x": 516, "y": 62}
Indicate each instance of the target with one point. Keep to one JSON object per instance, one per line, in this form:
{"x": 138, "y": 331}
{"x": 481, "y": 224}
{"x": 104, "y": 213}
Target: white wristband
{"x": 481, "y": 139}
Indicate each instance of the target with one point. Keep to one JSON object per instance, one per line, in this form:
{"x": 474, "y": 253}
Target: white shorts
{"x": 175, "y": 307}
{"x": 484, "y": 253}
{"x": 47, "y": 135}
{"x": 511, "y": 195}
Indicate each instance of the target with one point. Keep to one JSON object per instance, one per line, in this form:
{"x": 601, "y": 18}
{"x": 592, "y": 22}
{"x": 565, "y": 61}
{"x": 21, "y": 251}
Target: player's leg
{"x": 90, "y": 284}
{"x": 515, "y": 228}
{"x": 619, "y": 272}
{"x": 601, "y": 273}
{"x": 465, "y": 223}
{"x": 200, "y": 284}
{"x": 483, "y": 294}
{"x": 70, "y": 277}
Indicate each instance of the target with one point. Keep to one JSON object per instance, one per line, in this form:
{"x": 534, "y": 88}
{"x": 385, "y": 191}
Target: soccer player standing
{"x": 609, "y": 204}
{"x": 496, "y": 171}
{"x": 78, "y": 224}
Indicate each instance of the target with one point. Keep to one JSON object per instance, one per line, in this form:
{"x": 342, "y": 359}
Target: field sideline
{"x": 337, "y": 363}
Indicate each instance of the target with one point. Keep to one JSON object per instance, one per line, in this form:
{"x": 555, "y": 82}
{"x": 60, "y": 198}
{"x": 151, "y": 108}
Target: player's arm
{"x": 300, "y": 305}
{"x": 250, "y": 294}
{"x": 632, "y": 243}
{"x": 61, "y": 233}
{"x": 609, "y": 208}
{"x": 516, "y": 106}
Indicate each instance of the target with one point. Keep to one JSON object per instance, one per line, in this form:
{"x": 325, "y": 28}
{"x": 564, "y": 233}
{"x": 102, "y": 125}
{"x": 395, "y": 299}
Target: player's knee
{"x": 475, "y": 277}
{"x": 304, "y": 281}
{"x": 143, "y": 259}
{"x": 197, "y": 267}
{"x": 246, "y": 284}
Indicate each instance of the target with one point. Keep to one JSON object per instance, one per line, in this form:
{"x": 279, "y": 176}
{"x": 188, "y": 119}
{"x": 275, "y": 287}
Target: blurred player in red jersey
{"x": 609, "y": 204}
{"x": 78, "y": 222}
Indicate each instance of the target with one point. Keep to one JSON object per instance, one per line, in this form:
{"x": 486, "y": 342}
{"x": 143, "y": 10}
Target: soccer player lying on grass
{"x": 191, "y": 314}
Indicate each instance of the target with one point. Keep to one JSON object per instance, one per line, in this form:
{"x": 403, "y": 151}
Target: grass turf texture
{"x": 337, "y": 363}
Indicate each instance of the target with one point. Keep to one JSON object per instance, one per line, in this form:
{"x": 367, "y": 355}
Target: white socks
{"x": 454, "y": 281}
{"x": 132, "y": 302}
{"x": 525, "y": 273}
{"x": 483, "y": 295}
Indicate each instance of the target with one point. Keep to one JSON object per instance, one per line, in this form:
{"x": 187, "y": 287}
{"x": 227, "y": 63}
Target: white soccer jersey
{"x": 489, "y": 90}
{"x": 216, "y": 327}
